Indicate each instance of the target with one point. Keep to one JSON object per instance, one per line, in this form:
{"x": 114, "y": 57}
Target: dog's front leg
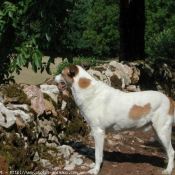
{"x": 99, "y": 136}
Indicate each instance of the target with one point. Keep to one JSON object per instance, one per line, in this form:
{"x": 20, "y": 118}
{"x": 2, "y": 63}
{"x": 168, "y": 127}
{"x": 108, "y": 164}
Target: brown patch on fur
{"x": 136, "y": 112}
{"x": 69, "y": 72}
{"x": 73, "y": 70}
{"x": 84, "y": 82}
{"x": 172, "y": 105}
{"x": 65, "y": 75}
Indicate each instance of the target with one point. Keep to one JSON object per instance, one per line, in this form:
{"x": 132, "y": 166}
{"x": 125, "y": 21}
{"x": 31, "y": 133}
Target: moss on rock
{"x": 14, "y": 93}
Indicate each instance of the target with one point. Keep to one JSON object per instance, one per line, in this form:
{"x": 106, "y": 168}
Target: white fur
{"x": 107, "y": 109}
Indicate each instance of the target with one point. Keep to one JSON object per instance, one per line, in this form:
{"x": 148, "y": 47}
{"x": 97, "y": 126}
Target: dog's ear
{"x": 73, "y": 70}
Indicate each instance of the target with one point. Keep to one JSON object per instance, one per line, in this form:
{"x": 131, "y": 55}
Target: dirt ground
{"x": 133, "y": 154}
{"x": 29, "y": 77}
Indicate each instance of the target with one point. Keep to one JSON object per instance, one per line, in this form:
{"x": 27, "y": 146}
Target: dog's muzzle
{"x": 61, "y": 84}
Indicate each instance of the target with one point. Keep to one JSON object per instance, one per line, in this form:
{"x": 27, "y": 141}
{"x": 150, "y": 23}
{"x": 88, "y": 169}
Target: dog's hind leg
{"x": 99, "y": 136}
{"x": 163, "y": 132}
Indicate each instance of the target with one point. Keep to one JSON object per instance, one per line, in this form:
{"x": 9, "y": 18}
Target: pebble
{"x": 117, "y": 137}
{"x": 77, "y": 161}
{"x": 69, "y": 167}
{"x": 36, "y": 157}
{"x": 84, "y": 167}
{"x": 139, "y": 140}
{"x": 152, "y": 140}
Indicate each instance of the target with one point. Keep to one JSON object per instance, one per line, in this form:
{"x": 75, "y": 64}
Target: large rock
{"x": 122, "y": 71}
{"x": 49, "y": 108}
{"x": 7, "y": 117}
{"x": 22, "y": 114}
{"x": 36, "y": 97}
{"x": 51, "y": 90}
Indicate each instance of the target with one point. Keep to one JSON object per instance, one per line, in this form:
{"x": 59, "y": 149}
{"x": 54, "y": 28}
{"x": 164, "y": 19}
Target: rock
{"x": 63, "y": 105}
{"x": 65, "y": 151}
{"x": 23, "y": 115}
{"x": 135, "y": 75}
{"x": 42, "y": 140}
{"x": 118, "y": 137}
{"x": 36, "y": 157}
{"x": 7, "y": 117}
{"x": 44, "y": 127}
{"x": 54, "y": 145}
{"x": 49, "y": 108}
{"x": 101, "y": 73}
{"x": 96, "y": 74}
{"x": 45, "y": 163}
{"x": 55, "y": 169}
{"x": 66, "y": 92}
{"x": 111, "y": 143}
{"x": 69, "y": 167}
{"x": 139, "y": 140}
{"x": 131, "y": 88}
{"x": 51, "y": 90}
{"x": 108, "y": 73}
{"x": 76, "y": 160}
{"x": 133, "y": 149}
{"x": 152, "y": 140}
{"x": 55, "y": 140}
{"x": 19, "y": 123}
{"x": 53, "y": 153}
{"x": 18, "y": 106}
{"x": 36, "y": 97}
{"x": 122, "y": 70}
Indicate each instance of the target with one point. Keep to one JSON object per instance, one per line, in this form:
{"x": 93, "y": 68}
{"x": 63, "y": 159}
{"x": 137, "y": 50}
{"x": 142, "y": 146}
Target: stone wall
{"x": 37, "y": 121}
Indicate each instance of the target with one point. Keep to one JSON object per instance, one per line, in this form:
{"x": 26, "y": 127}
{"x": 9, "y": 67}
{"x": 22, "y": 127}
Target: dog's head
{"x": 73, "y": 75}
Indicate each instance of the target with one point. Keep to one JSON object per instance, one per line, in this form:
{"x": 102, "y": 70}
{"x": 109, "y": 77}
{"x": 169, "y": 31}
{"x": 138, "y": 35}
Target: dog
{"x": 107, "y": 109}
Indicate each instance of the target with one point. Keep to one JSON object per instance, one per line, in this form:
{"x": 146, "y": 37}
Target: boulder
{"x": 7, "y": 117}
{"x": 65, "y": 151}
{"x": 135, "y": 75}
{"x": 36, "y": 97}
{"x": 51, "y": 90}
{"x": 22, "y": 114}
{"x": 49, "y": 108}
{"x": 122, "y": 71}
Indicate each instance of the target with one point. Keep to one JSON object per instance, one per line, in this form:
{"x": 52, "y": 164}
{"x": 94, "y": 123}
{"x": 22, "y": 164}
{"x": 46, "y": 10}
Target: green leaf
{"x": 14, "y": 24}
{"x": 34, "y": 68}
{"x": 48, "y": 37}
{"x": 10, "y": 13}
{"x": 37, "y": 59}
{"x": 20, "y": 60}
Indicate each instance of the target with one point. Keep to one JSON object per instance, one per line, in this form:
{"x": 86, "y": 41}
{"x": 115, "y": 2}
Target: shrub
{"x": 76, "y": 61}
{"x": 162, "y": 46}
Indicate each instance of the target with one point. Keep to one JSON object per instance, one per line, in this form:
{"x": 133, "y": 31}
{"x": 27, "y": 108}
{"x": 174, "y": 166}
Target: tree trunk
{"x": 132, "y": 28}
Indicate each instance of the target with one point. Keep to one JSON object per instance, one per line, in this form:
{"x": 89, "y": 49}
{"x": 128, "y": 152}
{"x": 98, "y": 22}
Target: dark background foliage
{"x": 30, "y": 29}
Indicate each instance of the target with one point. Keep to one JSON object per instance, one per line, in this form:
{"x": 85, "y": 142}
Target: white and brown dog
{"x": 107, "y": 109}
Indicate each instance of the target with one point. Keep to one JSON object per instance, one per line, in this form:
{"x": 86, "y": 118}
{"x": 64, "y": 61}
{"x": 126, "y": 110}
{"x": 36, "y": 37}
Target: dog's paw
{"x": 166, "y": 171}
{"x": 93, "y": 171}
